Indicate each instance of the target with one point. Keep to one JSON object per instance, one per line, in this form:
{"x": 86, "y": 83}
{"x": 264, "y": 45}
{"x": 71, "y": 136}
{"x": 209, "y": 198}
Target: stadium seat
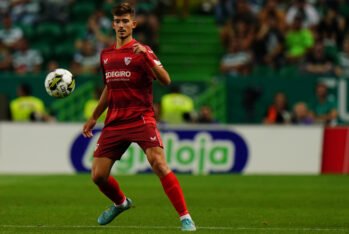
{"x": 64, "y": 51}
{"x": 81, "y": 11}
{"x": 49, "y": 32}
{"x": 183, "y": 53}
{"x": 332, "y": 52}
{"x": 44, "y": 48}
{"x": 29, "y": 32}
{"x": 74, "y": 30}
{"x": 262, "y": 70}
{"x": 289, "y": 71}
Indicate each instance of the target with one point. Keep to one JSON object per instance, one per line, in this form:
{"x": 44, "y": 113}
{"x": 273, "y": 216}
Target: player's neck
{"x": 120, "y": 42}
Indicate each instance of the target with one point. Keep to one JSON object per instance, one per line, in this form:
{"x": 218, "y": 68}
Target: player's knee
{"x": 157, "y": 161}
{"x": 160, "y": 168}
{"x": 99, "y": 179}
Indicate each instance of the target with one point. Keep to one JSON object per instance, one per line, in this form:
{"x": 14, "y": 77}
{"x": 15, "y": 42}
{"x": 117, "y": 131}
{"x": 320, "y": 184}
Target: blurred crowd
{"x": 321, "y": 110}
{"x": 41, "y": 35}
{"x": 310, "y": 35}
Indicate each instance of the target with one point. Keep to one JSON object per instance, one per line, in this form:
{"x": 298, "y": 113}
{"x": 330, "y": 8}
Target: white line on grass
{"x": 172, "y": 227}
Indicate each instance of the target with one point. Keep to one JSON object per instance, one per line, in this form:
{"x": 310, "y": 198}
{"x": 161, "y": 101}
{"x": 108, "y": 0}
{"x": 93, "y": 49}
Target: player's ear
{"x": 134, "y": 23}
{"x": 113, "y": 25}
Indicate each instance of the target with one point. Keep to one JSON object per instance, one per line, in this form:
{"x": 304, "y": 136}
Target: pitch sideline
{"x": 173, "y": 227}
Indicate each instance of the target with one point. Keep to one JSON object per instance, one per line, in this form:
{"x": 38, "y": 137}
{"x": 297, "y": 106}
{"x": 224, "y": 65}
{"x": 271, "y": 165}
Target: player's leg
{"x": 172, "y": 188}
{"x": 106, "y": 183}
{"x": 109, "y": 149}
{"x": 149, "y": 139}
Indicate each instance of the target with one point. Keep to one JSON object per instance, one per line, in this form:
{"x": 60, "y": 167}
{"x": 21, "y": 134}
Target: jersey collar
{"x": 126, "y": 45}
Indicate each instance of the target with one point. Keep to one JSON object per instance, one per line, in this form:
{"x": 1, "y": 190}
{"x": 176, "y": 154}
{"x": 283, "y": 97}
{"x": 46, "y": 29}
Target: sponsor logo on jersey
{"x": 127, "y": 60}
{"x": 153, "y": 138}
{"x": 117, "y": 74}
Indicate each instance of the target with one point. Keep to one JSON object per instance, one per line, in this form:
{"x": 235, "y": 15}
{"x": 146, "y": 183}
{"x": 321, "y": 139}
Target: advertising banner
{"x": 196, "y": 149}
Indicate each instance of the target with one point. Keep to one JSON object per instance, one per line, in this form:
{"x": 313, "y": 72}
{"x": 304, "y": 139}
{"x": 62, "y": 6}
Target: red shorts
{"x": 114, "y": 143}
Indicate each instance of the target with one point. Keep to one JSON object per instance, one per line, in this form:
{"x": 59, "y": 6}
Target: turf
{"x": 218, "y": 204}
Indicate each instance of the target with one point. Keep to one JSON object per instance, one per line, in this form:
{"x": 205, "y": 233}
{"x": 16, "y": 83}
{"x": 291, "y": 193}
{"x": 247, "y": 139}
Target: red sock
{"x": 112, "y": 190}
{"x": 174, "y": 193}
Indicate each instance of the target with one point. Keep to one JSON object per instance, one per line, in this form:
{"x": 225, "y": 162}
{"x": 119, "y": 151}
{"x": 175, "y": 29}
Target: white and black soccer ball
{"x": 59, "y": 83}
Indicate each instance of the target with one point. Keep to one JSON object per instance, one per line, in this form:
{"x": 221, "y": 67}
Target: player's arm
{"x": 100, "y": 108}
{"x": 161, "y": 74}
{"x": 102, "y": 104}
{"x": 155, "y": 65}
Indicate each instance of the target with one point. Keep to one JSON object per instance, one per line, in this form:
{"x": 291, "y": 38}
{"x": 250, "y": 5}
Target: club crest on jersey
{"x": 127, "y": 60}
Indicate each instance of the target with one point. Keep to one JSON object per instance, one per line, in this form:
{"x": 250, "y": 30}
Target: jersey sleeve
{"x": 156, "y": 60}
{"x": 153, "y": 56}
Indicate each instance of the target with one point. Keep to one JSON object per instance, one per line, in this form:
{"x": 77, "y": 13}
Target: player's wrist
{"x": 93, "y": 118}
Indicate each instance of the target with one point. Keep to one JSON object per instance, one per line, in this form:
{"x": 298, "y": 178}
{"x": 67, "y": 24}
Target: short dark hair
{"x": 25, "y": 89}
{"x": 122, "y": 9}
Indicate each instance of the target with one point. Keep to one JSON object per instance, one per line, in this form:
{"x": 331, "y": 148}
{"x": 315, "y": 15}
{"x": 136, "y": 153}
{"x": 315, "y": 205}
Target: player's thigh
{"x": 111, "y": 144}
{"x": 155, "y": 155}
{"x": 150, "y": 141}
{"x": 104, "y": 160}
{"x": 147, "y": 136}
{"x": 156, "y": 158}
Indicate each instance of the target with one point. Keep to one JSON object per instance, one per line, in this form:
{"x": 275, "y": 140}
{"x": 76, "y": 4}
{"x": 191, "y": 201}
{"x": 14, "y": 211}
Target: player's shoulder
{"x": 108, "y": 49}
{"x": 149, "y": 49}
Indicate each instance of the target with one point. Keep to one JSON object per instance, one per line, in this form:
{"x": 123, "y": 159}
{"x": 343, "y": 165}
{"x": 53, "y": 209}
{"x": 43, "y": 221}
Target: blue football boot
{"x": 188, "y": 225}
{"x": 109, "y": 214}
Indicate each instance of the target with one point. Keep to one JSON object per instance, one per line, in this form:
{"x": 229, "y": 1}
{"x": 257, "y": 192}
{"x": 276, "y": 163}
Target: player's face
{"x": 124, "y": 25}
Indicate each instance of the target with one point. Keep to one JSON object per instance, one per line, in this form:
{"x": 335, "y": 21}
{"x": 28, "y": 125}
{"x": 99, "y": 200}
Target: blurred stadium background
{"x": 263, "y": 86}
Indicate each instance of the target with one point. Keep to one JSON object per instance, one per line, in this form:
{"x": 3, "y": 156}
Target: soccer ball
{"x": 59, "y": 83}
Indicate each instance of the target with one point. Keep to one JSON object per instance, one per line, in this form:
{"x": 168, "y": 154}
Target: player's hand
{"x": 138, "y": 48}
{"x": 87, "y": 129}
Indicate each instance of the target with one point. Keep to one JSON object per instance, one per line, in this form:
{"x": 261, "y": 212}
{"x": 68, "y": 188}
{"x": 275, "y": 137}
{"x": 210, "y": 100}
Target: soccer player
{"x": 128, "y": 71}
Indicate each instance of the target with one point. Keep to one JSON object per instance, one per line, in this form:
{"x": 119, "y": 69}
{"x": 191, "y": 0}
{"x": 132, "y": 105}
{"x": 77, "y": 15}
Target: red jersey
{"x": 129, "y": 83}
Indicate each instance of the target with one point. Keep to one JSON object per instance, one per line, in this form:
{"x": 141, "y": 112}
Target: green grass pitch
{"x": 218, "y": 204}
